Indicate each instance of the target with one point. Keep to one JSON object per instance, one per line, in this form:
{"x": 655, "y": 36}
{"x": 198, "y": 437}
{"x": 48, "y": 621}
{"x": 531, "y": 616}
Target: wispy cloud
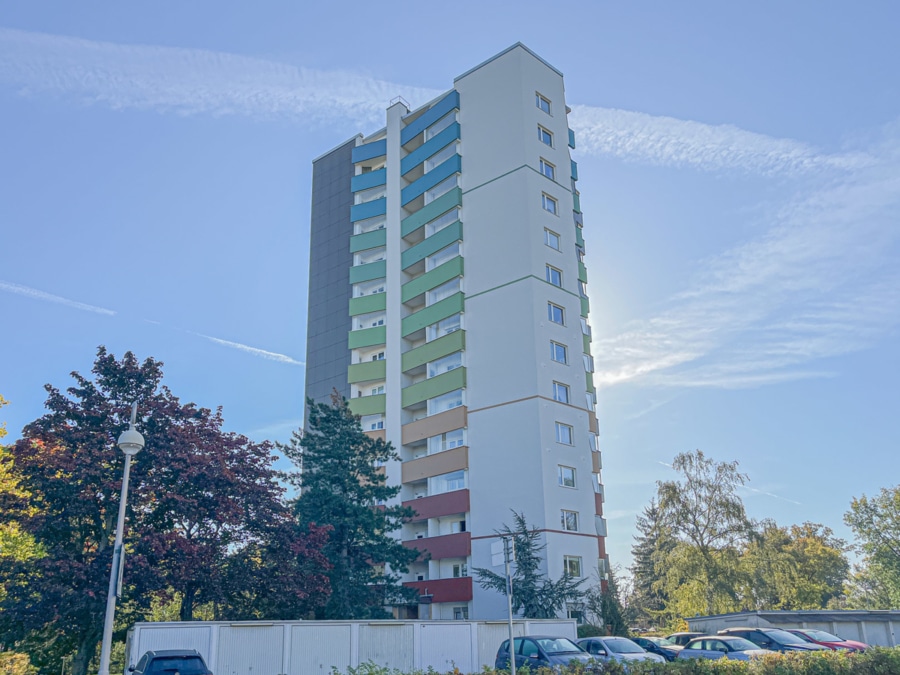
{"x": 769, "y": 494}
{"x": 35, "y": 294}
{"x": 262, "y": 353}
{"x": 190, "y": 81}
{"x": 822, "y": 280}
{"x": 667, "y": 141}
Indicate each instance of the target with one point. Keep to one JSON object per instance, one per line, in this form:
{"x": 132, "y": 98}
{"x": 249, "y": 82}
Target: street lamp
{"x": 131, "y": 443}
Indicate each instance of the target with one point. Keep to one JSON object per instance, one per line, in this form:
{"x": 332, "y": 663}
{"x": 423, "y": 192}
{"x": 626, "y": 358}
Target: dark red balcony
{"x": 457, "y": 545}
{"x": 445, "y": 504}
{"x": 458, "y": 589}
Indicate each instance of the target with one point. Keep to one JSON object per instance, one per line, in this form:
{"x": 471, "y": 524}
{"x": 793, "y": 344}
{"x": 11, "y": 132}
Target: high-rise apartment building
{"x": 448, "y": 303}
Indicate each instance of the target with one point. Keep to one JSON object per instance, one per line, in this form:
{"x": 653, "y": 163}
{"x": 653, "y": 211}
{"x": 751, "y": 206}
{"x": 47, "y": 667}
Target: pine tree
{"x": 343, "y": 487}
{"x": 651, "y": 546}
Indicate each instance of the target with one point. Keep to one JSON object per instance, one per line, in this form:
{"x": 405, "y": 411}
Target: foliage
{"x": 14, "y": 663}
{"x": 200, "y": 499}
{"x": 604, "y": 607}
{"x": 342, "y": 485}
{"x": 652, "y": 545}
{"x": 534, "y": 594}
{"x": 703, "y": 511}
{"x": 876, "y": 525}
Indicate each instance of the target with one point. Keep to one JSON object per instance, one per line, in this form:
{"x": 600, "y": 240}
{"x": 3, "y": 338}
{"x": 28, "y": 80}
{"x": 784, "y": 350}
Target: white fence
{"x": 318, "y": 647}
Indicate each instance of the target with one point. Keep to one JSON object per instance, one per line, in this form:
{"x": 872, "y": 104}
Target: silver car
{"x": 722, "y": 647}
{"x": 618, "y": 649}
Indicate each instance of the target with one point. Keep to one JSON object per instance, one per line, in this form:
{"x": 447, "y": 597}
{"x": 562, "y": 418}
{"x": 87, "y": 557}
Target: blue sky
{"x": 740, "y": 178}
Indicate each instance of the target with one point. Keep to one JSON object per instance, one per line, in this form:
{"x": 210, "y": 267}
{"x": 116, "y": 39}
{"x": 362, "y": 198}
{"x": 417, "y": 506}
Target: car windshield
{"x": 662, "y": 642}
{"x": 622, "y": 646}
{"x": 784, "y": 637}
{"x": 558, "y": 645}
{"x": 740, "y": 644}
{"x": 822, "y": 636}
{"x": 186, "y": 665}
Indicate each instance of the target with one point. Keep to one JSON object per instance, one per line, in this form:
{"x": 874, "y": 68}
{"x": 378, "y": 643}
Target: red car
{"x": 820, "y": 637}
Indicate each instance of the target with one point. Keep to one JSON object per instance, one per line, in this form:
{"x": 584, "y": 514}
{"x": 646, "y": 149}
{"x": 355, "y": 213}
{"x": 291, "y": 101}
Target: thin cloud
{"x": 770, "y": 494}
{"x": 35, "y": 294}
{"x": 666, "y": 141}
{"x": 271, "y": 356}
{"x": 819, "y": 282}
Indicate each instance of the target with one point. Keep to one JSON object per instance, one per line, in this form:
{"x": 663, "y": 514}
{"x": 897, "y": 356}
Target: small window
{"x": 445, "y": 364}
{"x": 551, "y": 239}
{"x": 564, "y": 434}
{"x": 542, "y": 103}
{"x": 378, "y": 357}
{"x": 460, "y": 569}
{"x": 558, "y": 352}
{"x": 550, "y": 204}
{"x": 548, "y": 169}
{"x": 377, "y": 390}
{"x": 443, "y": 291}
{"x": 572, "y": 565}
{"x": 554, "y": 276}
{"x": 582, "y": 289}
{"x": 560, "y": 392}
{"x": 566, "y": 475}
{"x": 556, "y": 314}
{"x": 460, "y": 613}
{"x": 545, "y": 136}
{"x": 569, "y": 520}
{"x": 456, "y": 528}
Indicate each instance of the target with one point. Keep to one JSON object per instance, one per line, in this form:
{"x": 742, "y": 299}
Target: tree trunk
{"x": 87, "y": 649}
{"x": 186, "y": 612}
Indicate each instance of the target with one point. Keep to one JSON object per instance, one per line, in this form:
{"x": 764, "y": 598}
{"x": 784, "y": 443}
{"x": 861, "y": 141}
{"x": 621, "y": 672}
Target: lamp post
{"x": 131, "y": 443}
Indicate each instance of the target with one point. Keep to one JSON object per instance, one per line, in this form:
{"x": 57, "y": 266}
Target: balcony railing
{"x": 458, "y": 545}
{"x": 456, "y": 589}
{"x": 444, "y": 504}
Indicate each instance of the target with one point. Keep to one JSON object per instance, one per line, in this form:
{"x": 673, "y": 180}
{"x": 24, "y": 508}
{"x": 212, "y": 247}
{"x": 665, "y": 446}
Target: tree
{"x": 603, "y": 607}
{"x": 200, "y": 499}
{"x": 704, "y": 512}
{"x": 651, "y": 547}
{"x": 534, "y": 594}
{"x": 876, "y": 525}
{"x": 342, "y": 485}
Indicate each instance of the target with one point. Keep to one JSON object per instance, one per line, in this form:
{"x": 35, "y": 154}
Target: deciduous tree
{"x": 875, "y": 522}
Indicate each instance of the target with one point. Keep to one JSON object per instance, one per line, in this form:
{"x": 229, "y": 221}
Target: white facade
{"x": 474, "y": 361}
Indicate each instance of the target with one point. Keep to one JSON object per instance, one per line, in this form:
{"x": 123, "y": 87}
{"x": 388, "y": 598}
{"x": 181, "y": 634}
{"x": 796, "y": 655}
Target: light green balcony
{"x": 579, "y": 237}
{"x": 434, "y": 313}
{"x": 585, "y": 343}
{"x": 374, "y": 270}
{"x": 430, "y": 211}
{"x": 439, "y": 275}
{"x": 366, "y": 371}
{"x": 582, "y": 272}
{"x": 432, "y": 244}
{"x": 366, "y": 240}
{"x": 368, "y": 303}
{"x": 367, "y": 337}
{"x": 435, "y": 349}
{"x": 589, "y": 382}
{"x": 367, "y": 405}
{"x": 434, "y": 386}
{"x": 585, "y": 307}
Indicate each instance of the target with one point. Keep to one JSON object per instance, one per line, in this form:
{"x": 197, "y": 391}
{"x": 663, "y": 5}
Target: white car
{"x": 618, "y": 649}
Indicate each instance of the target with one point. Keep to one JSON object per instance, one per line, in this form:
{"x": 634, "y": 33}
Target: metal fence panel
{"x": 318, "y": 648}
{"x": 445, "y": 646}
{"x": 389, "y": 645}
{"x": 250, "y": 650}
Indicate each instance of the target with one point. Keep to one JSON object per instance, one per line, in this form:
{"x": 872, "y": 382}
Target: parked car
{"x": 683, "y": 638}
{"x": 657, "y": 645}
{"x": 775, "y": 639}
{"x": 618, "y": 649}
{"x": 721, "y": 647}
{"x": 821, "y": 637}
{"x": 169, "y": 662}
{"x": 537, "y": 651}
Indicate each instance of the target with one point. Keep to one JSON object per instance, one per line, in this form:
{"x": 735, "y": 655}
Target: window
{"x": 582, "y": 289}
{"x": 440, "y": 125}
{"x": 569, "y": 520}
{"x": 564, "y": 434}
{"x": 461, "y": 613}
{"x": 550, "y": 204}
{"x": 548, "y": 169}
{"x": 442, "y": 291}
{"x": 545, "y": 136}
{"x": 368, "y": 288}
{"x": 363, "y": 321}
{"x": 369, "y": 256}
{"x": 456, "y": 528}
{"x": 542, "y": 103}
{"x": 444, "y": 327}
{"x": 364, "y": 196}
{"x": 378, "y": 357}
{"x": 442, "y": 256}
{"x": 585, "y": 328}
{"x": 572, "y": 565}
{"x": 560, "y": 392}
{"x": 551, "y": 239}
{"x": 441, "y": 188}
{"x": 369, "y": 225}
{"x": 445, "y": 364}
{"x": 558, "y": 352}
{"x": 377, "y": 390}
{"x": 588, "y": 363}
{"x": 441, "y": 222}
{"x": 556, "y": 314}
{"x": 566, "y": 475}
{"x": 447, "y": 441}
{"x": 593, "y": 442}
{"x": 447, "y": 401}
{"x": 554, "y": 276}
{"x": 439, "y": 157}
{"x": 447, "y": 482}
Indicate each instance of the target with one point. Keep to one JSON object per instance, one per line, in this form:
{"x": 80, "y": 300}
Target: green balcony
{"x": 432, "y": 244}
{"x": 366, "y": 240}
{"x": 366, "y": 371}
{"x": 430, "y": 211}
{"x": 576, "y": 202}
{"x": 376, "y": 302}
{"x": 429, "y": 315}
{"x": 589, "y": 382}
{"x": 579, "y": 237}
{"x": 435, "y": 349}
{"x": 585, "y": 307}
{"x": 367, "y": 337}
{"x": 367, "y": 405}
{"x": 439, "y": 275}
{"x": 585, "y": 343}
{"x": 375, "y": 270}
{"x": 582, "y": 272}
{"x": 434, "y": 386}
